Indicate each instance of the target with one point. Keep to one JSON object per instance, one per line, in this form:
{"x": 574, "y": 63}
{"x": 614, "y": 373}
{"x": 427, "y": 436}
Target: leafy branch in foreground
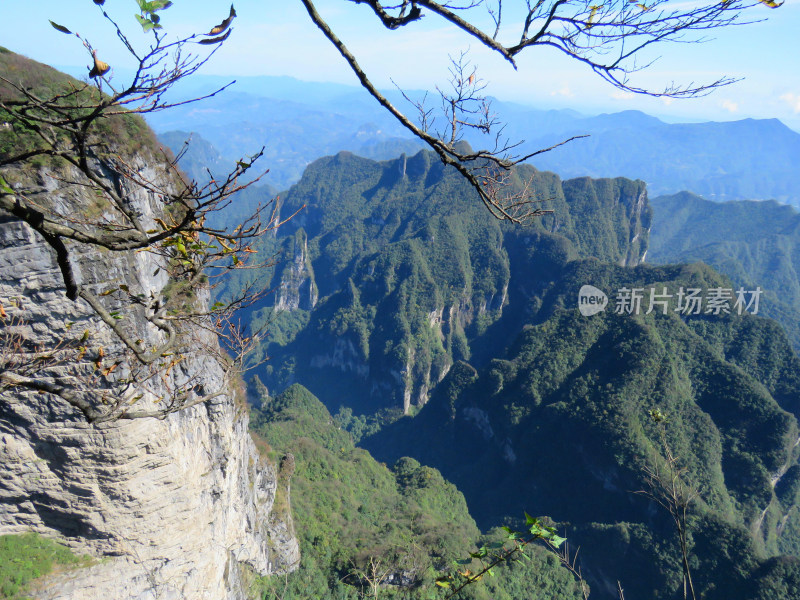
{"x": 116, "y": 191}
{"x": 607, "y": 38}
{"x": 490, "y": 556}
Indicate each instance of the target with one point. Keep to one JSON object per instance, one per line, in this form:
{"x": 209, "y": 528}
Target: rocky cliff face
{"x": 297, "y": 289}
{"x": 172, "y": 508}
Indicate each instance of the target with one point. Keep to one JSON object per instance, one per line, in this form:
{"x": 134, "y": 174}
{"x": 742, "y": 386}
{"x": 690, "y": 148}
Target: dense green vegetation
{"x": 563, "y": 417}
{"x": 352, "y": 512}
{"x": 395, "y": 289}
{"x": 28, "y": 556}
{"x": 754, "y": 243}
{"x": 122, "y": 133}
{"x": 410, "y": 272}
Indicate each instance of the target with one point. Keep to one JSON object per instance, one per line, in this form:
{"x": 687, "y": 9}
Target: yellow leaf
{"x": 224, "y": 25}
{"x": 100, "y": 68}
{"x": 110, "y": 369}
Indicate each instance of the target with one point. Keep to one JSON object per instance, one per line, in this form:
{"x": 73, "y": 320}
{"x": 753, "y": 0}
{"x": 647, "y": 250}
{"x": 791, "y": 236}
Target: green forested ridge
{"x": 127, "y": 133}
{"x": 541, "y": 409}
{"x": 560, "y": 425}
{"x": 754, "y": 243}
{"x": 410, "y": 272}
{"x": 348, "y": 509}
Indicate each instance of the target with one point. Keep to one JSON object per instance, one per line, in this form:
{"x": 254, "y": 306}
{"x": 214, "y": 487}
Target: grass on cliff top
{"x": 28, "y": 556}
{"x": 126, "y": 133}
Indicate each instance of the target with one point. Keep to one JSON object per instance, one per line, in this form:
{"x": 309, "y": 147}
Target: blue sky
{"x": 276, "y": 37}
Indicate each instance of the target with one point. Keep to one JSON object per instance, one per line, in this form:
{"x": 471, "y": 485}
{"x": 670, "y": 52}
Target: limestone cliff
{"x": 173, "y": 507}
{"x": 297, "y": 289}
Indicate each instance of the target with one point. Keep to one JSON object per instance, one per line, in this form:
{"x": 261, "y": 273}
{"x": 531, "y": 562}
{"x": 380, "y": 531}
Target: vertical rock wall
{"x": 171, "y": 508}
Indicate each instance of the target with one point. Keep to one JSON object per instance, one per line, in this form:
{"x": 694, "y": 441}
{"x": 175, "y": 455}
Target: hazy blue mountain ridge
{"x": 299, "y": 122}
{"x": 757, "y": 244}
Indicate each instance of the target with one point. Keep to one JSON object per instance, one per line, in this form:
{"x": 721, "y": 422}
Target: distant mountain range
{"x": 293, "y": 133}
{"x": 756, "y": 244}
{"x": 298, "y": 122}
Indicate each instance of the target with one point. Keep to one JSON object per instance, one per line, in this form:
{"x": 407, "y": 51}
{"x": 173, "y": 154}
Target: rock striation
{"x": 173, "y": 508}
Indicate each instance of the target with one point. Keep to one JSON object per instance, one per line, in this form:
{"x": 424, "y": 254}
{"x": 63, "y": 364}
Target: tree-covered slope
{"x": 390, "y": 272}
{"x": 754, "y": 243}
{"x": 352, "y": 512}
{"x": 397, "y": 292}
{"x": 560, "y": 425}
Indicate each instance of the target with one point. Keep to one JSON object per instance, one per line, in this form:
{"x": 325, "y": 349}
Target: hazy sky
{"x": 276, "y": 37}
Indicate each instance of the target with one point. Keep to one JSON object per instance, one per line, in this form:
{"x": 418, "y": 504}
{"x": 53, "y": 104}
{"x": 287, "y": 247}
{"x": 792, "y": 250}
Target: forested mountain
{"x": 396, "y": 294}
{"x": 559, "y": 424}
{"x": 353, "y": 515}
{"x": 754, "y": 243}
{"x": 198, "y": 158}
{"x": 392, "y": 272}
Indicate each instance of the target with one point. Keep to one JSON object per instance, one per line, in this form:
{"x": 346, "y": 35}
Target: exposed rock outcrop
{"x": 173, "y": 508}
{"x": 297, "y": 289}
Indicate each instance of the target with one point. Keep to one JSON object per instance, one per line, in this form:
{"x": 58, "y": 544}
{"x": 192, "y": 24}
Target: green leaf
{"x": 60, "y": 28}
{"x": 145, "y": 23}
{"x": 529, "y": 520}
{"x": 495, "y": 545}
